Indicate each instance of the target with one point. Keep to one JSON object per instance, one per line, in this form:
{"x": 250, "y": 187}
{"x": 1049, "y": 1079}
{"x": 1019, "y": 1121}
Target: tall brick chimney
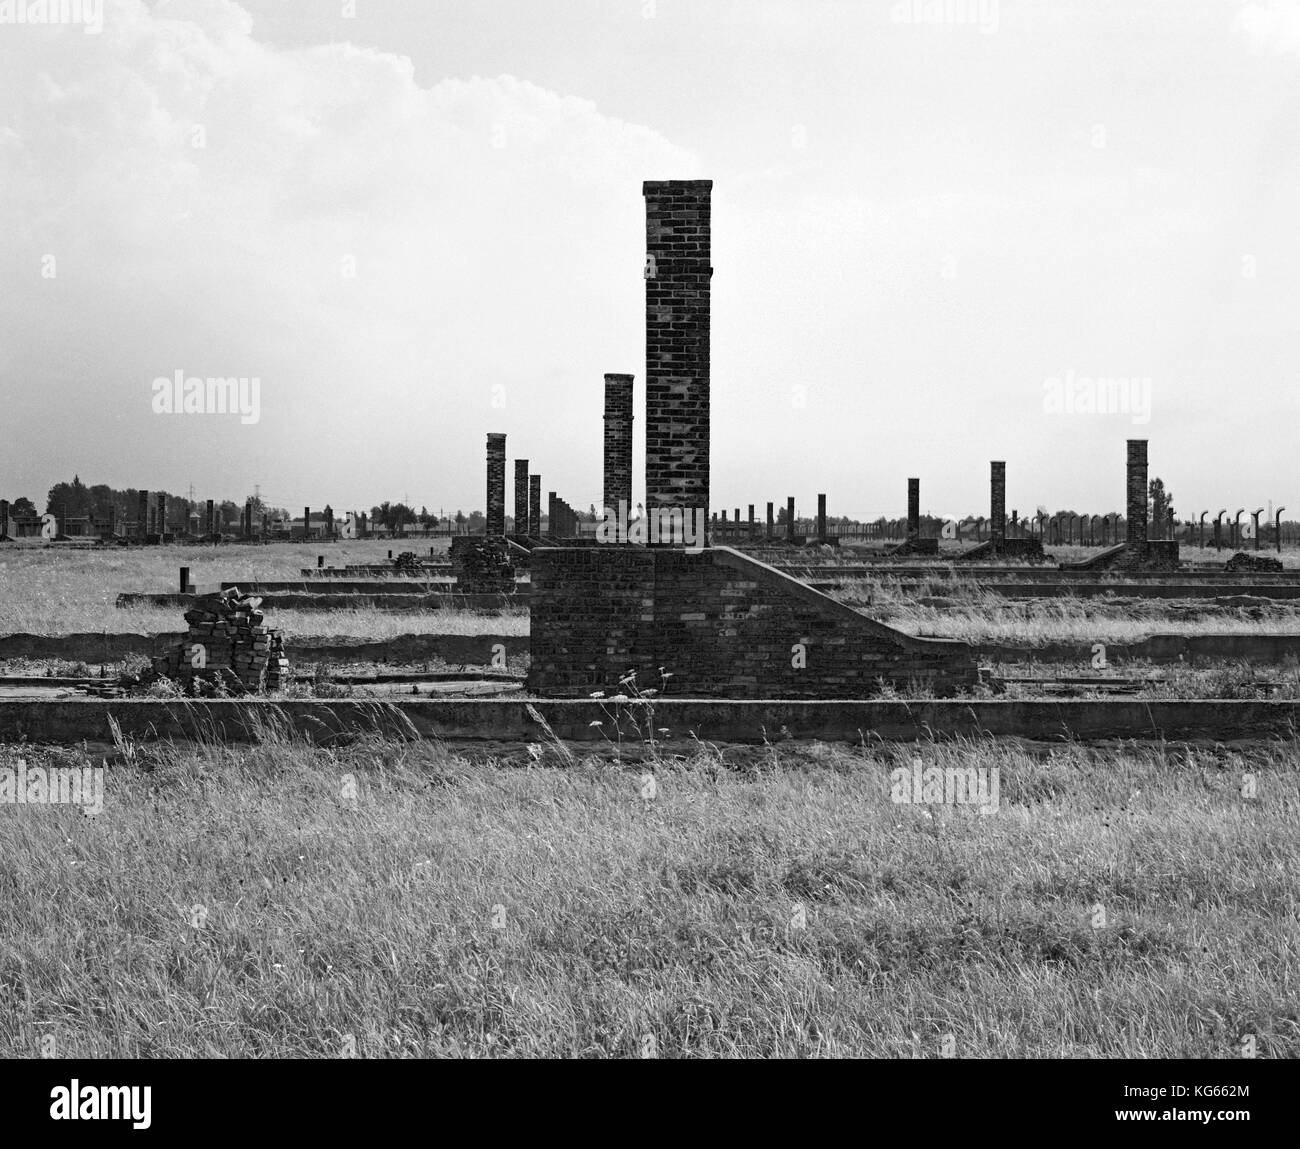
{"x": 552, "y": 514}
{"x": 677, "y": 273}
{"x": 913, "y": 508}
{"x": 1137, "y": 494}
{"x": 618, "y": 443}
{"x": 142, "y": 512}
{"x": 521, "y": 496}
{"x": 998, "y": 501}
{"x": 535, "y": 505}
{"x": 212, "y": 521}
{"x": 162, "y": 513}
{"x": 496, "y": 484}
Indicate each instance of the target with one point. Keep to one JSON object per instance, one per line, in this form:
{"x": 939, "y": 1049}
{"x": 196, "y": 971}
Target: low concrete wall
{"x": 1000, "y": 572}
{"x": 1224, "y": 594}
{"x": 515, "y": 720}
{"x": 86, "y": 646}
{"x": 457, "y": 649}
{"x": 324, "y": 600}
{"x": 476, "y": 649}
{"x": 1258, "y": 649}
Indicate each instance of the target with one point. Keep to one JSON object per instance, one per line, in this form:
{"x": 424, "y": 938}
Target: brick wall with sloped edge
{"x": 722, "y": 624}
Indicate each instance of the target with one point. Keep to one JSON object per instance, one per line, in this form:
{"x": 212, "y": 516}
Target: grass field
{"x": 401, "y": 900}
{"x": 47, "y": 591}
{"x": 972, "y": 614}
{"x": 409, "y": 899}
{"x": 44, "y": 591}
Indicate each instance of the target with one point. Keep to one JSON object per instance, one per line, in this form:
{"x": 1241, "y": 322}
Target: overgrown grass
{"x": 964, "y": 610}
{"x": 277, "y": 900}
{"x": 48, "y": 591}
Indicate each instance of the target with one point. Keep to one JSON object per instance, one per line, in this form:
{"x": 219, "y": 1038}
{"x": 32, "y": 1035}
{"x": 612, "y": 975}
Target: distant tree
{"x": 70, "y": 499}
{"x": 477, "y": 522}
{"x": 1161, "y": 500}
{"x": 460, "y": 518}
{"x": 22, "y": 507}
{"x": 102, "y": 497}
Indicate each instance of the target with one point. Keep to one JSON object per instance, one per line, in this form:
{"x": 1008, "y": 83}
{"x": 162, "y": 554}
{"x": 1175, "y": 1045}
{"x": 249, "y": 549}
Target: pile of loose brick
{"x": 238, "y": 649}
{"x": 1242, "y": 561}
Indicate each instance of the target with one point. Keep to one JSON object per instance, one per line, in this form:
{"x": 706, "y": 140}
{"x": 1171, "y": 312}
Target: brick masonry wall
{"x": 722, "y": 624}
{"x": 618, "y": 443}
{"x": 677, "y": 274}
{"x": 482, "y": 564}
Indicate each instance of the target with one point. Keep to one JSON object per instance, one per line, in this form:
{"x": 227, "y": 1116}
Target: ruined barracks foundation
{"x": 719, "y": 623}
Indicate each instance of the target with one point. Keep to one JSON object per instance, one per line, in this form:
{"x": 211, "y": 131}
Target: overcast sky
{"x": 917, "y": 225}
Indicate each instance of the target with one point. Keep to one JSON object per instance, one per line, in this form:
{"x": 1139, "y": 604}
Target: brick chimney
{"x": 677, "y": 273}
{"x": 1137, "y": 494}
{"x": 521, "y": 496}
{"x": 998, "y": 501}
{"x": 913, "y": 508}
{"x": 496, "y": 484}
{"x": 535, "y": 505}
{"x": 618, "y": 443}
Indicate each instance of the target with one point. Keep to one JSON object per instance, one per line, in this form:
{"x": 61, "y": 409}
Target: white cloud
{"x": 1272, "y": 26}
{"x": 470, "y": 210}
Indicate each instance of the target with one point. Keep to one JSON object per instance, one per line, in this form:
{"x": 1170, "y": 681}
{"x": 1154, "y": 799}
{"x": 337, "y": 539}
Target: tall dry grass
{"x": 399, "y": 899}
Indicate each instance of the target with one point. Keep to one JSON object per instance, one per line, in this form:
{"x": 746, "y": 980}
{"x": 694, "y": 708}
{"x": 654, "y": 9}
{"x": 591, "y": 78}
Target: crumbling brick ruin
{"x": 915, "y": 544}
{"x": 720, "y": 623}
{"x": 483, "y": 564}
{"x": 999, "y": 545}
{"x": 1139, "y": 551}
{"x": 228, "y": 644}
{"x": 1242, "y": 561}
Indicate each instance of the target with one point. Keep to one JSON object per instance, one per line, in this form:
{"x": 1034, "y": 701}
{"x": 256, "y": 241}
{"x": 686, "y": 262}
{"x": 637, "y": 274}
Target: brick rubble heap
{"x": 238, "y": 648}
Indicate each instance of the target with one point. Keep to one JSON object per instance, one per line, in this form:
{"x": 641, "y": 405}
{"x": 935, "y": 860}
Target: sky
{"x": 938, "y": 229}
